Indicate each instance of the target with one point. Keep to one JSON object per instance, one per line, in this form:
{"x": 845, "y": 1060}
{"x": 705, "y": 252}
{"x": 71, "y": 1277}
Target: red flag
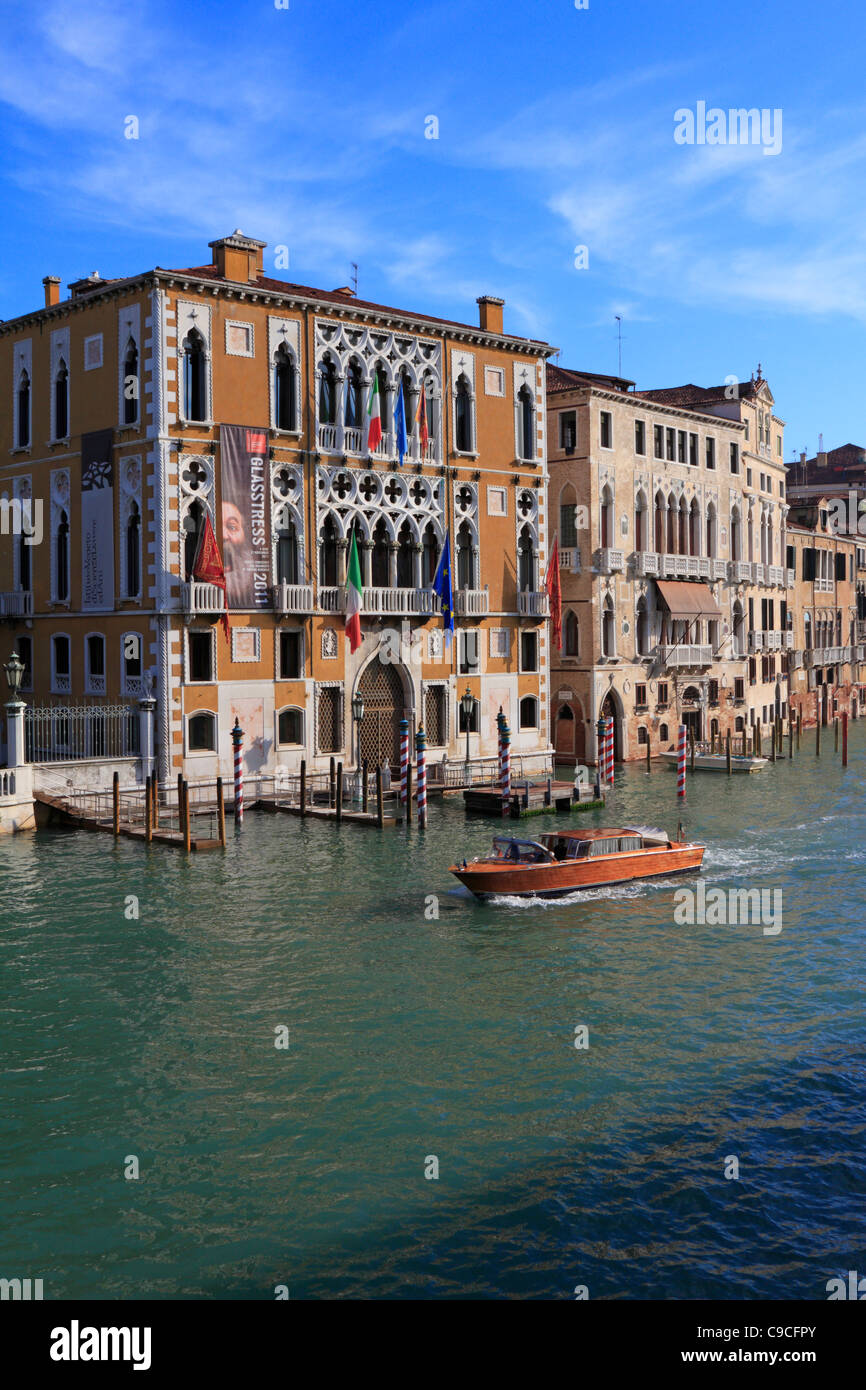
{"x": 421, "y": 418}
{"x": 208, "y": 566}
{"x": 554, "y": 590}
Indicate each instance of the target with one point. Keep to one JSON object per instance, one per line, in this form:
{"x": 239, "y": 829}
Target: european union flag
{"x": 400, "y": 426}
{"x": 442, "y": 587}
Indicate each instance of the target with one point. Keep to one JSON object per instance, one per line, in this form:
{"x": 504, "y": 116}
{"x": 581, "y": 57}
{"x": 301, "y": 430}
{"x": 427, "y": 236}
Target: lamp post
{"x": 14, "y": 671}
{"x": 357, "y": 716}
{"x": 467, "y": 704}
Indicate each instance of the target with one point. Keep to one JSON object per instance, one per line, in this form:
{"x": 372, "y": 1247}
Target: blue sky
{"x": 306, "y": 127}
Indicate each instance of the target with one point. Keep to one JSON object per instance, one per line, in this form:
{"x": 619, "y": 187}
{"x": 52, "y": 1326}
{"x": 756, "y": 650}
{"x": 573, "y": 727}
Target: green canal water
{"x": 413, "y": 1036}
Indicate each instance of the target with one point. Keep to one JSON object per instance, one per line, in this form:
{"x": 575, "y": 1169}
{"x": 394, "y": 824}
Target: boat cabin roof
{"x": 606, "y": 834}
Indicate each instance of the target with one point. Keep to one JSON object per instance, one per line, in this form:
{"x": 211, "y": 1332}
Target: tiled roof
{"x": 848, "y": 457}
{"x": 266, "y": 283}
{"x": 564, "y": 379}
{"x": 691, "y": 394}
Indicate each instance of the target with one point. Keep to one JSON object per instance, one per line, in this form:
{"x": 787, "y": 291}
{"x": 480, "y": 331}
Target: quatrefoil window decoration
{"x": 367, "y": 488}
{"x": 284, "y": 483}
{"x": 195, "y": 476}
{"x": 341, "y": 486}
{"x": 392, "y": 492}
{"x": 418, "y": 493}
{"x": 465, "y": 498}
{"x": 525, "y": 503}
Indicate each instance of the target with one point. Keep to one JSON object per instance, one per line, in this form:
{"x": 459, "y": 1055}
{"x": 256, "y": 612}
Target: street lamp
{"x": 14, "y": 669}
{"x": 358, "y": 715}
{"x": 467, "y": 704}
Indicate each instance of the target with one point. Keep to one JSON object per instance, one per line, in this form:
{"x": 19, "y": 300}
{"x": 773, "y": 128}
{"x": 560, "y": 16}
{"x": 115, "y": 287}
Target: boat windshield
{"x": 520, "y": 852}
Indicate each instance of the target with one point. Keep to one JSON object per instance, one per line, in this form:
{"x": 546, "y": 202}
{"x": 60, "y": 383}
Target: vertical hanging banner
{"x": 97, "y": 521}
{"x": 245, "y": 528}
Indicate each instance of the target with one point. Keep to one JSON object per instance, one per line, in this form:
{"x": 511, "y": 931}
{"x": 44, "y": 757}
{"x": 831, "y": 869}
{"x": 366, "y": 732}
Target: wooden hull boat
{"x": 717, "y": 762}
{"x": 571, "y": 860}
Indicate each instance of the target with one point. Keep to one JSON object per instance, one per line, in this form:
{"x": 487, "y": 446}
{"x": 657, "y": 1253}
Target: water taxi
{"x": 569, "y": 860}
{"x": 705, "y": 761}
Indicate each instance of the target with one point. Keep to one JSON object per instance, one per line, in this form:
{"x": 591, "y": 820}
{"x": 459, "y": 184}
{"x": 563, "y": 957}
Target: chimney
{"x": 238, "y": 257}
{"x": 490, "y": 313}
{"x": 52, "y": 290}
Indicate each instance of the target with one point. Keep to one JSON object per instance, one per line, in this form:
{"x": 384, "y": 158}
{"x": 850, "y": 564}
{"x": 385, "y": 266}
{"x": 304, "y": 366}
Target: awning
{"x": 689, "y": 601}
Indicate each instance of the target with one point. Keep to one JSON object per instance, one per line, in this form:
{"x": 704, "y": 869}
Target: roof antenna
{"x": 355, "y": 277}
{"x": 618, "y": 318}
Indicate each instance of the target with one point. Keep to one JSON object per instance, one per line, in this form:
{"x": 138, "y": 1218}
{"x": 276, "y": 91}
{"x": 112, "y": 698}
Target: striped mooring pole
{"x": 238, "y": 742}
{"x": 681, "y": 762}
{"x": 505, "y": 764}
{"x": 421, "y": 768}
{"x": 609, "y": 745}
{"x": 404, "y": 759}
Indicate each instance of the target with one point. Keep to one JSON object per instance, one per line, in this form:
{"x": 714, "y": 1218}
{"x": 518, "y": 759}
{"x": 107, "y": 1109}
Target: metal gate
{"x": 381, "y": 689}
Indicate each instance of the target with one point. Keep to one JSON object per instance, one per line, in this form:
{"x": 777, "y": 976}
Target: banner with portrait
{"x": 245, "y": 523}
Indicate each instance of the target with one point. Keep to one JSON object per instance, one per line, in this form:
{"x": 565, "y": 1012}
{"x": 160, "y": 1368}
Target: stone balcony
{"x": 201, "y": 600}
{"x": 531, "y": 604}
{"x": 379, "y": 602}
{"x": 609, "y": 561}
{"x": 16, "y": 603}
{"x": 292, "y": 598}
{"x": 739, "y": 572}
{"x": 569, "y": 559}
{"x": 471, "y": 603}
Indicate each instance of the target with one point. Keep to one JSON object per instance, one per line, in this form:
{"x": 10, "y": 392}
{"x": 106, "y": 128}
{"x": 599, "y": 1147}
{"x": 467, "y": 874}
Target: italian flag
{"x": 374, "y": 410}
{"x": 353, "y": 596}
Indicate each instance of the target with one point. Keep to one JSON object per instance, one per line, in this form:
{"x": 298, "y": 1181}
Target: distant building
{"x": 143, "y": 406}
{"x": 671, "y": 507}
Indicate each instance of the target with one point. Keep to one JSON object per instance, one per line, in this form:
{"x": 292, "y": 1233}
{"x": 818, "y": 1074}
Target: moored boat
{"x": 718, "y": 762}
{"x": 569, "y": 860}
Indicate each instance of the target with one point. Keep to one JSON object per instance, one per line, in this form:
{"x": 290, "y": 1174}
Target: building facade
{"x": 827, "y": 655}
{"x": 671, "y": 508}
{"x": 142, "y": 407}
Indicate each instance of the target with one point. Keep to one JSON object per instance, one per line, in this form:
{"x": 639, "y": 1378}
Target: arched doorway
{"x": 381, "y": 689}
{"x": 610, "y": 710}
{"x": 692, "y": 712}
{"x": 564, "y": 733}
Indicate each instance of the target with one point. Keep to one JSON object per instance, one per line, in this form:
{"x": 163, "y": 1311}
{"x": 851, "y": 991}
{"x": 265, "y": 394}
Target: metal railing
{"x": 62, "y": 733}
{"x": 688, "y": 657}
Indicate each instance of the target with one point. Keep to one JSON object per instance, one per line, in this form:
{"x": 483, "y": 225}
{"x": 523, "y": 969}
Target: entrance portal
{"x": 610, "y": 710}
{"x": 381, "y": 689}
{"x": 692, "y": 713}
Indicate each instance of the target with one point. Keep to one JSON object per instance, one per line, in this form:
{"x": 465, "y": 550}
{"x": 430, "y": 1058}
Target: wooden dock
{"x": 531, "y": 799}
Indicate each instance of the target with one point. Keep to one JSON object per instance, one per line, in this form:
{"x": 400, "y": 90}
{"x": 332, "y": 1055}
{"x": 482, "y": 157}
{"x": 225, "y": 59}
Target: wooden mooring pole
{"x": 799, "y": 727}
{"x": 692, "y": 745}
{"x": 773, "y": 743}
{"x": 303, "y": 787}
{"x": 221, "y": 813}
{"x": 338, "y": 793}
{"x": 332, "y": 783}
{"x": 380, "y": 815}
{"x": 148, "y": 814}
{"x": 790, "y": 736}
{"x": 818, "y": 736}
{"x": 187, "y": 836}
{"x": 115, "y": 802}
{"x": 648, "y": 751}
{"x": 154, "y": 787}
{"x": 728, "y": 767}
{"x": 365, "y": 795}
{"x": 409, "y": 792}
{"x": 180, "y": 801}
{"x": 844, "y": 738}
{"x": 835, "y": 734}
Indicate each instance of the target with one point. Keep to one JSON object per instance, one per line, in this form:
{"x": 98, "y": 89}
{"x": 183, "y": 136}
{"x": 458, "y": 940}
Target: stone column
{"x": 15, "y": 733}
{"x": 392, "y": 564}
{"x": 416, "y": 566}
{"x": 146, "y": 707}
{"x": 342, "y": 552}
{"x": 366, "y": 557}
